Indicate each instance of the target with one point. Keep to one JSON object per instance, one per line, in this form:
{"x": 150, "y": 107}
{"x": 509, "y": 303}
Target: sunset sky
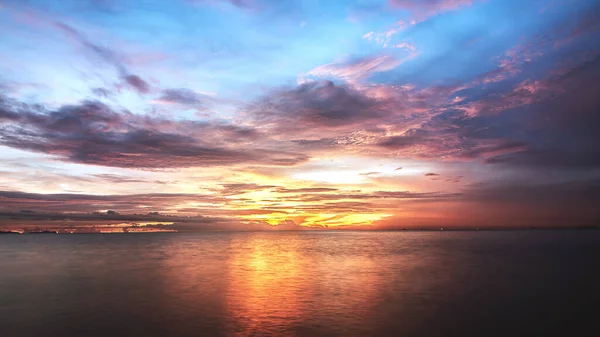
{"x": 248, "y": 113}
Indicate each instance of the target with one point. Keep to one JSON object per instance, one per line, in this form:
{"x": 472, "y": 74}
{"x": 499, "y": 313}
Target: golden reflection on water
{"x": 292, "y": 283}
{"x": 276, "y": 286}
{"x": 264, "y": 285}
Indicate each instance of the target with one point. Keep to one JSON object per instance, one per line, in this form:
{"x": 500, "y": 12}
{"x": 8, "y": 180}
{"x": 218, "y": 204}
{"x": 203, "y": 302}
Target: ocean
{"x": 334, "y": 283}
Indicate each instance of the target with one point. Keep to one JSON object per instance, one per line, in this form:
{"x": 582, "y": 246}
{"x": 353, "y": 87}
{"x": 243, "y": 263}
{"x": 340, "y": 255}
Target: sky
{"x": 366, "y": 114}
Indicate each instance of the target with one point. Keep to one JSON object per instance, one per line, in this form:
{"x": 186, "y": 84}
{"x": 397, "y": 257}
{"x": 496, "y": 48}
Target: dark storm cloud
{"x": 93, "y": 133}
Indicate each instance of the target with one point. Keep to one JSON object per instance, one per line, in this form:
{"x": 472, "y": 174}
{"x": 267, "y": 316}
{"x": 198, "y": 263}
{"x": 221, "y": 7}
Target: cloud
{"x": 385, "y": 38}
{"x": 349, "y": 115}
{"x": 528, "y": 122}
{"x": 422, "y": 10}
{"x": 515, "y": 58}
{"x": 358, "y": 195}
{"x": 488, "y": 204}
{"x": 93, "y": 133}
{"x": 6, "y": 115}
{"x": 104, "y": 54}
{"x": 563, "y": 121}
{"x": 315, "y": 104}
{"x": 60, "y": 210}
{"x": 405, "y": 45}
{"x": 87, "y": 203}
{"x": 108, "y": 56}
{"x": 118, "y": 179}
{"x": 399, "y": 142}
{"x": 494, "y": 149}
{"x": 564, "y": 204}
{"x": 101, "y": 92}
{"x": 305, "y": 190}
{"x": 27, "y": 219}
{"x": 586, "y": 22}
{"x": 431, "y": 174}
{"x": 105, "y": 218}
{"x": 137, "y": 83}
{"x": 184, "y": 97}
{"x": 315, "y": 144}
{"x": 506, "y": 204}
{"x": 241, "y": 188}
{"x": 244, "y": 4}
{"x": 427, "y": 123}
{"x": 356, "y": 69}
{"x": 369, "y": 35}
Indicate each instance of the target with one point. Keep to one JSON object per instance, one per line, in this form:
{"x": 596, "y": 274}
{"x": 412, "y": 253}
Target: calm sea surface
{"x": 529, "y": 283}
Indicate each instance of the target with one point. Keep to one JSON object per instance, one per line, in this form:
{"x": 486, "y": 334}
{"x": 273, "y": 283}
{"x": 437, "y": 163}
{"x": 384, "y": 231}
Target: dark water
{"x": 301, "y": 284}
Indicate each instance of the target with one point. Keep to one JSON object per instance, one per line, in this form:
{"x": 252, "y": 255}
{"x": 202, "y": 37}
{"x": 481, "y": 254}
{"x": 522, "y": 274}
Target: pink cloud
{"x": 237, "y": 3}
{"x": 405, "y": 45}
{"x": 384, "y": 38}
{"x": 358, "y": 69}
{"x": 514, "y": 58}
{"x": 423, "y": 9}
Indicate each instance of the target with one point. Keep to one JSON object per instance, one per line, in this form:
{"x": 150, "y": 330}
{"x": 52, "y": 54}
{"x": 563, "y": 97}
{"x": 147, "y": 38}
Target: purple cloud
{"x": 93, "y": 133}
{"x": 184, "y": 97}
{"x": 422, "y": 9}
